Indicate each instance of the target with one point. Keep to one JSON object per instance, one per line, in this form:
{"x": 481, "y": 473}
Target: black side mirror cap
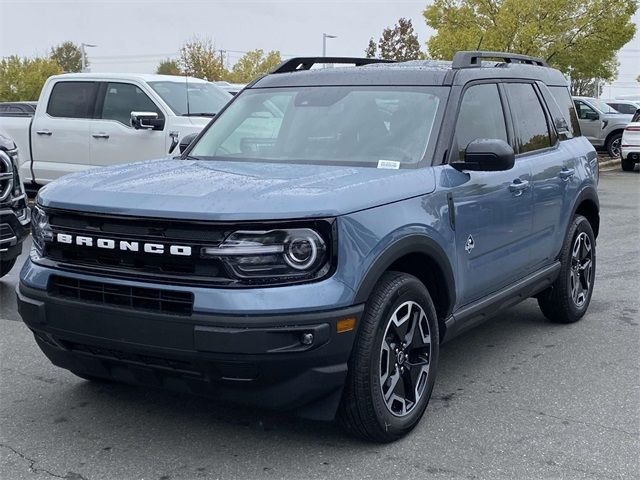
{"x": 487, "y": 155}
{"x": 186, "y": 141}
{"x": 591, "y": 115}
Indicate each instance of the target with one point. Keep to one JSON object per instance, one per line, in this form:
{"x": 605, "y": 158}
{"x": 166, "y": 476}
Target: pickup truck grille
{"x": 6, "y": 176}
{"x": 165, "y": 267}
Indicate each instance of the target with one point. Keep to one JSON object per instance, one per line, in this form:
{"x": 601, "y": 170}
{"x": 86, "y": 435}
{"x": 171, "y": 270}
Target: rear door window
{"x": 529, "y": 117}
{"x": 72, "y": 99}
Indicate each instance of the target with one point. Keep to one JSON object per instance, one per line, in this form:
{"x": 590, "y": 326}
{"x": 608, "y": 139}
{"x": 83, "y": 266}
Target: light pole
{"x": 83, "y": 55}
{"x": 324, "y": 43}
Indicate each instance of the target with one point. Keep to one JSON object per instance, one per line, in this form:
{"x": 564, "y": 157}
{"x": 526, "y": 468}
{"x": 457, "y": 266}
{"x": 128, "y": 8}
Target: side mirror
{"x": 146, "y": 121}
{"x": 487, "y": 155}
{"x": 186, "y": 141}
{"x": 590, "y": 115}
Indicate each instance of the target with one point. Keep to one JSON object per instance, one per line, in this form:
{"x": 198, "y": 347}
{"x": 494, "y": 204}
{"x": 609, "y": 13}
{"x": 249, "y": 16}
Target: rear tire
{"x": 393, "y": 363}
{"x": 627, "y": 164}
{"x": 6, "y": 266}
{"x": 567, "y": 300}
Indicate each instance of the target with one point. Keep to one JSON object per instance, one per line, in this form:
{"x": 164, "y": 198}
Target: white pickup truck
{"x": 84, "y": 120}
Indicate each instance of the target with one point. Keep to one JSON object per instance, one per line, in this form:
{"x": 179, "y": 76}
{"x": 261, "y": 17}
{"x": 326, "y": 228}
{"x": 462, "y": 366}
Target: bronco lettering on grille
{"x": 131, "y": 246}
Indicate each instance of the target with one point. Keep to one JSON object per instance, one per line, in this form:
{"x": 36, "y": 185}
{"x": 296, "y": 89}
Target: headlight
{"x": 40, "y": 229}
{"x": 273, "y": 255}
{"x": 18, "y": 186}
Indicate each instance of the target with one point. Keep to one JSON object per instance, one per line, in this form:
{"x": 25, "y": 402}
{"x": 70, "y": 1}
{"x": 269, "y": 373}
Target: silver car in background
{"x": 601, "y": 124}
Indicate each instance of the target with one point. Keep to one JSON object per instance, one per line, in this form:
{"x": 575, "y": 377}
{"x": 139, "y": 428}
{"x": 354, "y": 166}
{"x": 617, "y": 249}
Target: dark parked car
{"x": 14, "y": 212}
{"x": 17, "y": 109}
{"x": 316, "y": 243}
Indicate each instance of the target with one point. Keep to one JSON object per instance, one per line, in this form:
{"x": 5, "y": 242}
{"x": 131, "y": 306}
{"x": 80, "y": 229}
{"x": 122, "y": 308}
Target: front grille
{"x": 179, "y": 366}
{"x": 6, "y": 175}
{"x": 166, "y": 268}
{"x": 6, "y": 232}
{"x": 136, "y": 298}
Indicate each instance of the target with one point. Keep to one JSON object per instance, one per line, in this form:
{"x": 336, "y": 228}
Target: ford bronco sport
{"x": 321, "y": 238}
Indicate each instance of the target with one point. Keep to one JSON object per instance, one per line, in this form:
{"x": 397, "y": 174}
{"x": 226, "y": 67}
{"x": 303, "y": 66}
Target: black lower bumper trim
{"x": 284, "y": 362}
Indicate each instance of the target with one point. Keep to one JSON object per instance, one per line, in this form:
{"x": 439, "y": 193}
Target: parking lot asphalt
{"x": 517, "y": 397}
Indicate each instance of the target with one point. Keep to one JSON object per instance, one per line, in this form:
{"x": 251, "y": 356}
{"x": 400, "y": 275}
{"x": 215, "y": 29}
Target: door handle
{"x": 518, "y": 186}
{"x": 567, "y": 173}
{"x": 100, "y": 135}
{"x": 44, "y": 132}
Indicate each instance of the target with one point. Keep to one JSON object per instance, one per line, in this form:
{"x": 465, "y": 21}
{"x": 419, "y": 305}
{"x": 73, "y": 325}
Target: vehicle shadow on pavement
{"x": 167, "y": 412}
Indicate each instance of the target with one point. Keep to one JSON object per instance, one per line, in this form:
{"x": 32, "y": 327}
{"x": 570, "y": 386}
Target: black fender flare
{"x": 587, "y": 193}
{"x": 415, "y": 243}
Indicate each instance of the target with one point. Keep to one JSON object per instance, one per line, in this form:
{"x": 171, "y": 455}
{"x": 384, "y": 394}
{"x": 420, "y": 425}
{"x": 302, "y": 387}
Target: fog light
{"x": 306, "y": 339}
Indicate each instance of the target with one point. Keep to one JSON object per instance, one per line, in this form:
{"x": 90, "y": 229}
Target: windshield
{"x": 204, "y": 98}
{"x": 385, "y": 127}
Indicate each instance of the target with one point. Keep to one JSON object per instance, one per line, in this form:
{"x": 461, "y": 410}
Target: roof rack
{"x": 305, "y": 63}
{"x": 472, "y": 59}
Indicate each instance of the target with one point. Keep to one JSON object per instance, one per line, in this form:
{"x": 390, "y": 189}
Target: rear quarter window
{"x": 567, "y": 107}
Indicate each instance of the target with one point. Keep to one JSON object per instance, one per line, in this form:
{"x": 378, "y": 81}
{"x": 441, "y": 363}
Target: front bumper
{"x": 259, "y": 360}
{"x": 13, "y": 230}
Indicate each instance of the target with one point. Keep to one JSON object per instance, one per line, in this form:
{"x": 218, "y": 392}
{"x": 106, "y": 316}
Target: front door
{"x": 590, "y": 123}
{"x": 113, "y": 139}
{"x": 493, "y": 210}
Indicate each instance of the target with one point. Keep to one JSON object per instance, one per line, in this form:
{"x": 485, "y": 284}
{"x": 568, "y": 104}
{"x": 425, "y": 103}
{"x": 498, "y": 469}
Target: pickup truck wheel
{"x": 6, "y": 266}
{"x": 567, "y": 300}
{"x": 393, "y": 362}
{"x": 627, "y": 164}
{"x": 613, "y": 145}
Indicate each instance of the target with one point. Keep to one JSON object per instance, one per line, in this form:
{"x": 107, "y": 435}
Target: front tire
{"x": 6, "y": 266}
{"x": 614, "y": 145}
{"x": 394, "y": 361}
{"x": 567, "y": 300}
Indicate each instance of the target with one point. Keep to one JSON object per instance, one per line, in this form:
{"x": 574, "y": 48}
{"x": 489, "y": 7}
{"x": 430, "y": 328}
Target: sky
{"x": 135, "y": 35}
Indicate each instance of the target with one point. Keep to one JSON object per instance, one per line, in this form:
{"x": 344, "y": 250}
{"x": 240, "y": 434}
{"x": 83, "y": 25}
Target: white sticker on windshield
{"x": 392, "y": 164}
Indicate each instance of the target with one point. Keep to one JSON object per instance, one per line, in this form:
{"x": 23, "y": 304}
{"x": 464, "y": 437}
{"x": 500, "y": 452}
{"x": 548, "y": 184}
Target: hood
{"x": 228, "y": 191}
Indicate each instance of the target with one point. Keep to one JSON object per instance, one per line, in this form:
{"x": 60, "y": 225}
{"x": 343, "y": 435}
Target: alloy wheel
{"x": 581, "y": 269}
{"x": 404, "y": 358}
{"x": 614, "y": 149}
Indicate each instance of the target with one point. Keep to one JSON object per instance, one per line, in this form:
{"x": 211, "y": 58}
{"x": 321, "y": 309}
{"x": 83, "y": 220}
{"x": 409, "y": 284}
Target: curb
{"x": 609, "y": 165}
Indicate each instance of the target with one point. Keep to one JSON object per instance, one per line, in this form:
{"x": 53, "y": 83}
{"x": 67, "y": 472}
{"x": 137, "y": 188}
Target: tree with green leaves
{"x": 68, "y": 56}
{"x": 398, "y": 43}
{"x": 372, "y": 49}
{"x": 22, "y": 79}
{"x": 199, "y": 58}
{"x": 253, "y": 64}
{"x": 169, "y": 67}
{"x": 579, "y": 37}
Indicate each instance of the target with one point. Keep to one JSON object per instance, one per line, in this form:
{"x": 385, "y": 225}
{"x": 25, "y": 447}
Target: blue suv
{"x": 319, "y": 240}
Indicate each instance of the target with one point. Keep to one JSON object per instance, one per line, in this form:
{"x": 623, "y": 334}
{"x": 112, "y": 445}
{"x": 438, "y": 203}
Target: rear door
{"x": 493, "y": 210}
{"x": 113, "y": 139}
{"x": 60, "y": 135}
{"x": 553, "y": 167}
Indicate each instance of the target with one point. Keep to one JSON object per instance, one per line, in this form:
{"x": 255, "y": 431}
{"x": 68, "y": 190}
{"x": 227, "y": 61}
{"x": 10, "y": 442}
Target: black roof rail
{"x": 472, "y": 59}
{"x": 305, "y": 63}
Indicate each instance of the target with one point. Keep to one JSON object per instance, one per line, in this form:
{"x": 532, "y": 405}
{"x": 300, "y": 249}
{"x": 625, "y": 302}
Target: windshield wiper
{"x": 199, "y": 114}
